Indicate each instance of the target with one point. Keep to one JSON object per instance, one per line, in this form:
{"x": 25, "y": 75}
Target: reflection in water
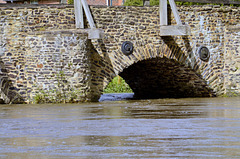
{"x": 164, "y": 128}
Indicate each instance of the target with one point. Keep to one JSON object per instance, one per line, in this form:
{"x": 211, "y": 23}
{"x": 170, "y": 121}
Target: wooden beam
{"x": 175, "y": 12}
{"x": 174, "y": 30}
{"x": 163, "y": 12}
{"x": 88, "y": 14}
{"x": 95, "y": 33}
{"x": 78, "y": 14}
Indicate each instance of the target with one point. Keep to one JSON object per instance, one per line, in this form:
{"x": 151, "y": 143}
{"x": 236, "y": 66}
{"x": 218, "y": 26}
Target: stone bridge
{"x": 44, "y": 59}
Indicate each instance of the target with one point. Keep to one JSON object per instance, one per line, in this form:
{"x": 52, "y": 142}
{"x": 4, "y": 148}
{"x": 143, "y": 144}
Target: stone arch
{"x": 184, "y": 59}
{"x": 140, "y": 25}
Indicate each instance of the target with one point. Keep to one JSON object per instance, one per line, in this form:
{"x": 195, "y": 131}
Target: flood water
{"x": 162, "y": 128}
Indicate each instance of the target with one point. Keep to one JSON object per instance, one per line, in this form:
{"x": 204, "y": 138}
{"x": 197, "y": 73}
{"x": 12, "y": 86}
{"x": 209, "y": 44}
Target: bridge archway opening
{"x": 117, "y": 85}
{"x": 164, "y": 78}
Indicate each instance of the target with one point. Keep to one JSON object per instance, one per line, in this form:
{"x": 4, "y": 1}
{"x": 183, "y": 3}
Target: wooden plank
{"x": 78, "y": 14}
{"x": 88, "y": 14}
{"x": 163, "y": 12}
{"x": 174, "y": 30}
{"x": 175, "y": 12}
{"x": 211, "y": 1}
{"x": 95, "y": 33}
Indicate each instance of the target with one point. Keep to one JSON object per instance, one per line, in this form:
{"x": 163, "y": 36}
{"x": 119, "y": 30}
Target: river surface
{"x": 162, "y": 128}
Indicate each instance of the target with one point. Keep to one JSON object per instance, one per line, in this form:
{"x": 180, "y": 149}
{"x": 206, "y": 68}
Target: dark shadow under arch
{"x": 164, "y": 78}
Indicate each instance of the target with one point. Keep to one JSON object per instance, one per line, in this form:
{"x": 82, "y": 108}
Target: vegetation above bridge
{"x": 185, "y": 2}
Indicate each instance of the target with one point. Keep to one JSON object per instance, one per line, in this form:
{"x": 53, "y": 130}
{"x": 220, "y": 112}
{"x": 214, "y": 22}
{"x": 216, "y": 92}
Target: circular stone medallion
{"x": 127, "y": 48}
{"x": 204, "y": 53}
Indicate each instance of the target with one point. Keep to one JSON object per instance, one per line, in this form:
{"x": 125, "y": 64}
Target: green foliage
{"x": 140, "y": 2}
{"x": 70, "y": 1}
{"x": 231, "y": 94}
{"x": 156, "y": 2}
{"x": 41, "y": 97}
{"x": 61, "y": 94}
{"x": 188, "y": 3}
{"x": 133, "y": 3}
{"x": 118, "y": 85}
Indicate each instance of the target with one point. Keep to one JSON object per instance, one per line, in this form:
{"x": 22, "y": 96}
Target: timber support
{"x": 93, "y": 33}
{"x": 171, "y": 30}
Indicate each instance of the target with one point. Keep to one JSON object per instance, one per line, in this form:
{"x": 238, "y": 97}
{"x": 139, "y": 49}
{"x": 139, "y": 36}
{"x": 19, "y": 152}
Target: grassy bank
{"x": 118, "y": 85}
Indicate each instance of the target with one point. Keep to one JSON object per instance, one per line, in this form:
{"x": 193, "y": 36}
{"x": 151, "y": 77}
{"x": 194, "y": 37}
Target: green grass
{"x": 118, "y": 85}
{"x": 70, "y": 1}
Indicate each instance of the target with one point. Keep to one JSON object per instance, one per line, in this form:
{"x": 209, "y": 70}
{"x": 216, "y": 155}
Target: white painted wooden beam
{"x": 174, "y": 30}
{"x": 78, "y": 14}
{"x": 175, "y": 12}
{"x": 163, "y": 12}
{"x": 95, "y": 33}
{"x": 171, "y": 30}
{"x": 88, "y": 14}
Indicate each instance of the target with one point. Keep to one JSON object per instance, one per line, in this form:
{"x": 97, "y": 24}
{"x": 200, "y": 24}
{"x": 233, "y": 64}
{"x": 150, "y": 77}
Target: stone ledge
{"x": 91, "y": 33}
{"x": 233, "y": 28}
{"x": 33, "y": 6}
{"x": 69, "y": 31}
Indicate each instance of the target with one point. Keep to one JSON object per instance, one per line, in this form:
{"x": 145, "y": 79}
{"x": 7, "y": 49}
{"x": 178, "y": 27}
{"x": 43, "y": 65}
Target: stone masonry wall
{"x": 210, "y": 25}
{"x": 140, "y": 25}
{"x": 29, "y": 49}
{"x": 232, "y": 61}
{"x": 41, "y": 59}
{"x": 57, "y": 67}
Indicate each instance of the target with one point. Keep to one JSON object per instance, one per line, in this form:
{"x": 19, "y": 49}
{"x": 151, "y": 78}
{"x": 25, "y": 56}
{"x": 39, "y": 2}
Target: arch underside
{"x": 157, "y": 72}
{"x": 164, "y": 78}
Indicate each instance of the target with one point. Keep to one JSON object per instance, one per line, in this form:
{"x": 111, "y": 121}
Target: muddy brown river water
{"x": 162, "y": 128}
